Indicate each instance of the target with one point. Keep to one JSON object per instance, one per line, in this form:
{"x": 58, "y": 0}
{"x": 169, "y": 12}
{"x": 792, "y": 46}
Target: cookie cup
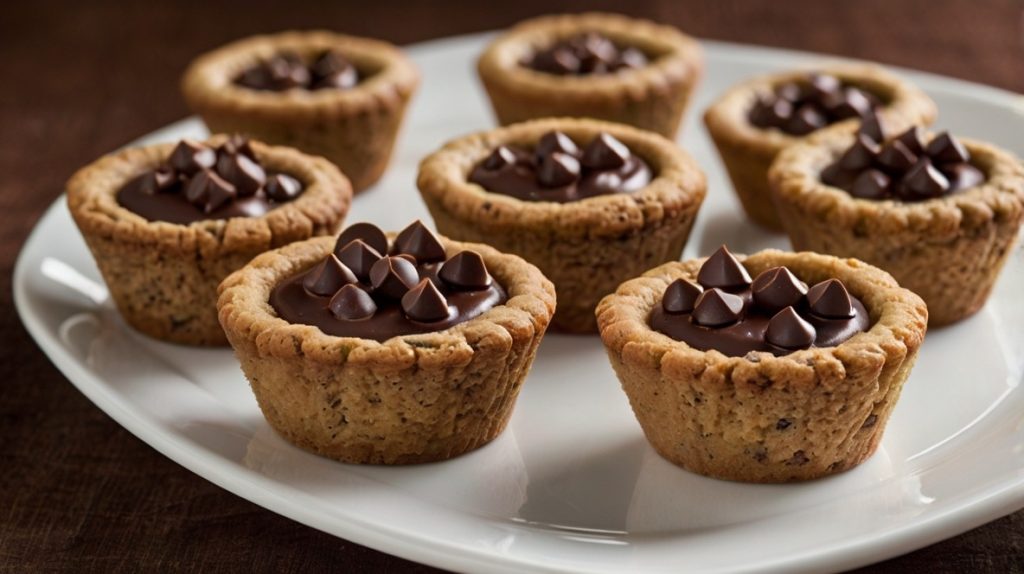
{"x": 748, "y": 151}
{"x": 585, "y": 247}
{"x": 762, "y": 418}
{"x": 948, "y": 250}
{"x": 411, "y": 399}
{"x": 162, "y": 276}
{"x": 653, "y": 97}
{"x": 355, "y": 128}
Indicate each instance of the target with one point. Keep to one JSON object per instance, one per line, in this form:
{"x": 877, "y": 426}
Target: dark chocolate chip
{"x": 716, "y": 308}
{"x": 465, "y": 271}
{"x": 923, "y": 181}
{"x": 871, "y": 127}
{"x": 783, "y": 424}
{"x": 392, "y": 277}
{"x": 871, "y": 184}
{"x": 556, "y": 61}
{"x": 245, "y": 174}
{"x": 556, "y": 141}
{"x": 424, "y": 303}
{"x": 501, "y": 157}
{"x": 558, "y": 169}
{"x": 911, "y": 139}
{"x": 723, "y": 270}
{"x": 367, "y": 232}
{"x": 945, "y": 148}
{"x": 777, "y": 288}
{"x": 788, "y": 330}
{"x": 341, "y": 80}
{"x": 830, "y": 300}
{"x": 287, "y": 71}
{"x": 806, "y": 119}
{"x": 855, "y": 104}
{"x": 351, "y": 303}
{"x": 282, "y": 187}
{"x": 962, "y": 175}
{"x": 359, "y": 257}
{"x": 680, "y": 297}
{"x": 237, "y": 144}
{"x": 631, "y": 58}
{"x": 605, "y": 152}
{"x": 420, "y": 242}
{"x": 895, "y": 157}
{"x": 190, "y": 156}
{"x": 329, "y": 62}
{"x": 208, "y": 191}
{"x": 790, "y": 91}
{"x": 823, "y": 85}
{"x": 860, "y": 155}
{"x": 327, "y": 277}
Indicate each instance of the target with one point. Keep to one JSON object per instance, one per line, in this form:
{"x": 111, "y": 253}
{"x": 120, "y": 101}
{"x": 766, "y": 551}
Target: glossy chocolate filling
{"x": 799, "y": 108}
{"x": 558, "y": 170}
{"x": 774, "y": 313}
{"x": 287, "y": 70}
{"x": 358, "y": 291}
{"x": 198, "y": 182}
{"x": 586, "y": 54}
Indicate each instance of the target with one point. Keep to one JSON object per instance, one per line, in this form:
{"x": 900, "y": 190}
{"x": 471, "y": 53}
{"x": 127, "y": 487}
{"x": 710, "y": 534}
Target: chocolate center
{"x": 799, "y": 108}
{"x": 775, "y": 313}
{"x": 369, "y": 289}
{"x": 558, "y": 170}
{"x": 287, "y": 70}
{"x": 198, "y": 182}
{"x": 585, "y": 54}
{"x": 903, "y": 168}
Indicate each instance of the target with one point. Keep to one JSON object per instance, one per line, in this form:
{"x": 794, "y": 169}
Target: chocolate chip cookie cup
{"x": 787, "y": 410}
{"x": 752, "y": 122}
{"x": 327, "y": 94}
{"x": 430, "y": 348}
{"x": 647, "y": 199}
{"x": 167, "y": 223}
{"x": 602, "y": 66}
{"x": 943, "y": 241}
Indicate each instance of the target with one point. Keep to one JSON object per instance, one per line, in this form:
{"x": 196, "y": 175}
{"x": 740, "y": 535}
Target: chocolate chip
{"x": 589, "y": 53}
{"x": 895, "y": 157}
{"x": 465, "y": 271}
{"x": 425, "y": 303}
{"x": 783, "y": 424}
{"x": 790, "y": 92}
{"x": 161, "y": 179}
{"x": 871, "y": 184}
{"x": 351, "y": 303}
{"x": 501, "y": 157}
{"x": 190, "y": 156}
{"x": 962, "y": 175}
{"x": 631, "y": 58}
{"x": 854, "y": 103}
{"x": 723, "y": 270}
{"x": 872, "y": 128}
{"x": 558, "y": 169}
{"x": 327, "y": 277}
{"x": 823, "y": 85}
{"x": 605, "y": 152}
{"x": 287, "y": 71}
{"x": 777, "y": 288}
{"x": 911, "y": 139}
{"x": 830, "y": 299}
{"x": 208, "y": 191}
{"x": 329, "y": 62}
{"x": 788, "y": 330}
{"x": 359, "y": 257}
{"x": 282, "y": 187}
{"x": 860, "y": 155}
{"x": 944, "y": 148}
{"x": 392, "y": 277}
{"x": 762, "y": 114}
{"x": 420, "y": 242}
{"x": 806, "y": 119}
{"x": 237, "y": 144}
{"x": 923, "y": 181}
{"x": 680, "y": 297}
{"x": 716, "y": 308}
{"x": 245, "y": 174}
{"x": 556, "y": 61}
{"x": 556, "y": 141}
{"x": 342, "y": 80}
{"x": 367, "y": 232}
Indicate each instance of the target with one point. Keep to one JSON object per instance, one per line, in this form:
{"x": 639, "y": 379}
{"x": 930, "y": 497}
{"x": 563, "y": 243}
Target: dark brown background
{"x": 78, "y": 492}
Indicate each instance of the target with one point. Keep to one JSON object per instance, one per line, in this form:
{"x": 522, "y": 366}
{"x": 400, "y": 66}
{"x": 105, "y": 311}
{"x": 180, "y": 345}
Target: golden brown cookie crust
{"x": 585, "y": 247}
{"x": 410, "y": 399}
{"x": 163, "y": 276}
{"x": 948, "y": 250}
{"x": 653, "y": 97}
{"x": 354, "y": 128}
{"x": 762, "y": 418}
{"x": 748, "y": 151}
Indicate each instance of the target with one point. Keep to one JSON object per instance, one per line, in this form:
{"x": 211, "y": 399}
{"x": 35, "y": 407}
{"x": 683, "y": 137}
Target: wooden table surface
{"x": 78, "y": 492}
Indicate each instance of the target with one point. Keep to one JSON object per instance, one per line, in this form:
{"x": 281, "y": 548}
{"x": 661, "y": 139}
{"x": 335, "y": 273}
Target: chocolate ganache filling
{"x": 799, "y": 108}
{"x": 287, "y": 70}
{"x": 198, "y": 182}
{"x": 585, "y": 54}
{"x": 558, "y": 170}
{"x": 903, "y": 168}
{"x": 776, "y": 312}
{"x": 371, "y": 288}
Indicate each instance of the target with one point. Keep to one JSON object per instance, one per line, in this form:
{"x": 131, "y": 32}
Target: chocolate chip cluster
{"x": 904, "y": 168}
{"x": 287, "y": 70}
{"x": 584, "y": 54}
{"x": 363, "y": 274}
{"x": 210, "y": 177}
{"x": 799, "y": 108}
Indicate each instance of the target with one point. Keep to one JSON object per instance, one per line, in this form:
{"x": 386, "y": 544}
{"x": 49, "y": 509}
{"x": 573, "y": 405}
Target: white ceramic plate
{"x": 572, "y": 485}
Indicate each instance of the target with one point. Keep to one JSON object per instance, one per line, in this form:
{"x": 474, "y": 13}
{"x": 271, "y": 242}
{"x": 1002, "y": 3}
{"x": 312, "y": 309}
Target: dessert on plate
{"x": 166, "y": 223}
{"x": 752, "y": 122}
{"x": 338, "y": 96}
{"x": 602, "y": 66}
{"x": 386, "y": 348}
{"x": 590, "y": 203}
{"x": 770, "y": 368}
{"x": 941, "y": 214}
